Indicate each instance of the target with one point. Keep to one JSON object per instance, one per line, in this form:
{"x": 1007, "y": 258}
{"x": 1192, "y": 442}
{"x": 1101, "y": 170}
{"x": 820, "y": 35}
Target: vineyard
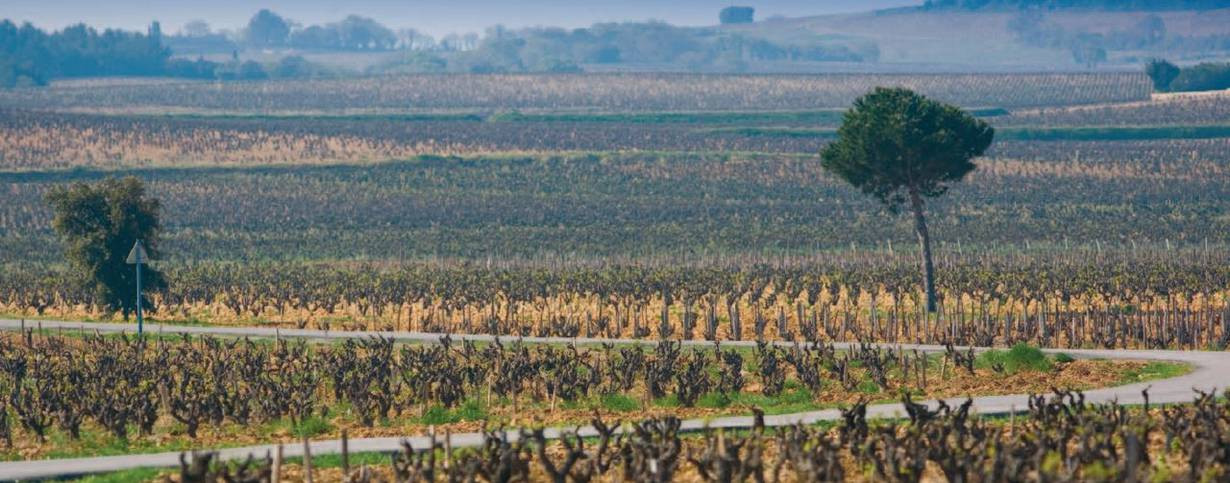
{"x": 609, "y": 92}
{"x": 74, "y": 392}
{"x": 1212, "y": 108}
{"x": 688, "y": 216}
{"x": 1148, "y": 299}
{"x": 1120, "y": 194}
{"x": 1061, "y": 438}
{"x": 38, "y": 140}
{"x": 48, "y": 141}
{"x": 1063, "y": 243}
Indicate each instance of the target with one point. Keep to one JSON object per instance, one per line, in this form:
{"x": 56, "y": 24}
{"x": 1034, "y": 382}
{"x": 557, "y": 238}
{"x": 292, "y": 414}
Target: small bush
{"x": 1064, "y": 358}
{"x": 1021, "y": 357}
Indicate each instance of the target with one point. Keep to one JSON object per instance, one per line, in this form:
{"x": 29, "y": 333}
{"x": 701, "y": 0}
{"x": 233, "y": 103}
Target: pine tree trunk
{"x": 924, "y": 242}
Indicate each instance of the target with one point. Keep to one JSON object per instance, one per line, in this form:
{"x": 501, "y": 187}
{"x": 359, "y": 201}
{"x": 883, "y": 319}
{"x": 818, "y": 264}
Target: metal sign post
{"x": 136, "y": 257}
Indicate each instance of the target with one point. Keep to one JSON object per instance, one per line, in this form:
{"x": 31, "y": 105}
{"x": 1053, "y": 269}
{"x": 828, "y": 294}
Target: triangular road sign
{"x": 137, "y": 254}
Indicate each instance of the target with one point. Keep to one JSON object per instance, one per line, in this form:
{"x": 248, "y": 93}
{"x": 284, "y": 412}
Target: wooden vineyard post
{"x": 276, "y": 473}
{"x": 307, "y": 461}
{"x": 345, "y": 456}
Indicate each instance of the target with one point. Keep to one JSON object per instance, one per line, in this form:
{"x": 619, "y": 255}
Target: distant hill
{"x": 1139, "y": 5}
{"x": 988, "y": 39}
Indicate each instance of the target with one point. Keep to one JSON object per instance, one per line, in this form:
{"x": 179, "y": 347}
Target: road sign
{"x": 137, "y": 254}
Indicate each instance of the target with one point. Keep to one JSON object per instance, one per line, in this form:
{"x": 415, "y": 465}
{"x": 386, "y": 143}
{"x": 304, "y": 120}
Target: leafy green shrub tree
{"x": 1162, "y": 73}
{"x": 902, "y": 147}
{"x": 98, "y": 225}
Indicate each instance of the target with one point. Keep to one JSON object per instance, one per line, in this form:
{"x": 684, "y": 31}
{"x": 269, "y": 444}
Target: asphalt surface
{"x": 1210, "y": 372}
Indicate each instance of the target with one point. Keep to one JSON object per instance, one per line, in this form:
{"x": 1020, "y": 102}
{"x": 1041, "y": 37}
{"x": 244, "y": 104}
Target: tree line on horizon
{"x": 30, "y": 56}
{"x": 1206, "y": 76}
{"x": 549, "y": 49}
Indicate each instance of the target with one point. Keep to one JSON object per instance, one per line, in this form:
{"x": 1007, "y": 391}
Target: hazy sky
{"x": 436, "y": 17}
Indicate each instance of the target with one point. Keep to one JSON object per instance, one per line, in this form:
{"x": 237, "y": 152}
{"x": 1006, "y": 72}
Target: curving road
{"x": 1210, "y": 372}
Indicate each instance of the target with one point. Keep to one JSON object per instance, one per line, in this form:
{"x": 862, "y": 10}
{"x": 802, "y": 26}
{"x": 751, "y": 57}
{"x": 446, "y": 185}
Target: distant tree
{"x": 422, "y": 41}
{"x": 1207, "y": 76}
{"x": 155, "y": 32}
{"x": 252, "y": 70}
{"x": 1162, "y": 73}
{"x": 1089, "y": 54}
{"x": 98, "y": 225}
{"x": 352, "y": 33}
{"x": 469, "y": 41}
{"x": 196, "y": 28}
{"x": 606, "y": 54}
{"x": 31, "y": 56}
{"x": 316, "y": 37}
{"x": 362, "y": 33}
{"x": 293, "y": 66}
{"x": 451, "y": 42}
{"x": 902, "y": 147}
{"x": 733, "y": 15}
{"x": 267, "y": 29}
{"x": 198, "y": 69}
{"x": 411, "y": 39}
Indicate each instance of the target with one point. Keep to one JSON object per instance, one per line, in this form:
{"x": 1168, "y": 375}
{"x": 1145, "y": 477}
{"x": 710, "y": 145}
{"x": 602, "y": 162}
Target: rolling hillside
{"x": 916, "y": 40}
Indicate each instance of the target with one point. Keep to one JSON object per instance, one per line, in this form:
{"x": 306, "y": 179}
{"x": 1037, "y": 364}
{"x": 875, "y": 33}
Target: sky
{"x": 436, "y": 17}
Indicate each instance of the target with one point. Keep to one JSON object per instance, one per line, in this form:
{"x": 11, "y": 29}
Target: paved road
{"x": 1209, "y": 373}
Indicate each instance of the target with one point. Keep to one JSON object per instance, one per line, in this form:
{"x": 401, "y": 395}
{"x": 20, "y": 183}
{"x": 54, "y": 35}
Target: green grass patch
{"x": 619, "y": 403}
{"x": 311, "y": 427}
{"x": 137, "y": 474}
{"x": 793, "y": 398}
{"x": 868, "y": 386}
{"x": 319, "y": 462}
{"x": 470, "y": 410}
{"x": 1153, "y": 370}
{"x": 1021, "y": 357}
{"x": 96, "y": 442}
{"x": 714, "y": 400}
